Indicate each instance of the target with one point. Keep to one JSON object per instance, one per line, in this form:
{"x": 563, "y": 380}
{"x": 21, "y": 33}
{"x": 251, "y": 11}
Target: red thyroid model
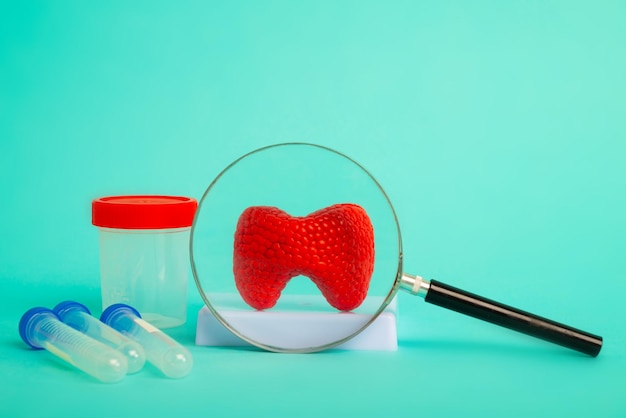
{"x": 334, "y": 247}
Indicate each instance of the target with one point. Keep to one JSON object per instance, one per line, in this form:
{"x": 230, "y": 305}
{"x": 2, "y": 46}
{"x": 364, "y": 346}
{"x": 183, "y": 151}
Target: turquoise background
{"x": 498, "y": 130}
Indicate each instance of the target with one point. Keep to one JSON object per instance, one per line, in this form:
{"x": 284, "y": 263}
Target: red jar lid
{"x": 143, "y": 212}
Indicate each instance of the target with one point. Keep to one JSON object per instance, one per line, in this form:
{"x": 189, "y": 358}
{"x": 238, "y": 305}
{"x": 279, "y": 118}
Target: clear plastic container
{"x": 162, "y": 351}
{"x": 41, "y": 328}
{"x": 144, "y": 254}
{"x": 78, "y": 316}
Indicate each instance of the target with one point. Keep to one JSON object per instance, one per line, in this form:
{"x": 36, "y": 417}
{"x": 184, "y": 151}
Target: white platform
{"x": 299, "y": 328}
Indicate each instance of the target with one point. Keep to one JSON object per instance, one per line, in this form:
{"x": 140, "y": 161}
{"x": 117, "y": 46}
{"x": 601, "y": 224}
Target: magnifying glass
{"x": 292, "y": 238}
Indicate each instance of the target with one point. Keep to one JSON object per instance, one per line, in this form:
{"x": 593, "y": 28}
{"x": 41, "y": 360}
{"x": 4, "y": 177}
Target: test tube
{"x": 163, "y": 352}
{"x": 78, "y": 316}
{"x": 41, "y": 328}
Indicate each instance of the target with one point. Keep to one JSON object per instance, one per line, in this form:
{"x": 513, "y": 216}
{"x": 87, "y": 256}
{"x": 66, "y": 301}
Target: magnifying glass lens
{"x": 281, "y": 251}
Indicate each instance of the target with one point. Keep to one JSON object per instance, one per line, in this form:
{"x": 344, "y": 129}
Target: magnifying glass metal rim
{"x": 224, "y": 322}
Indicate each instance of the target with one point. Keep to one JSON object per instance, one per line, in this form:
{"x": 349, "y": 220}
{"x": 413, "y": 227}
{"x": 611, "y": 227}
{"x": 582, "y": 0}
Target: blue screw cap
{"x": 68, "y": 306}
{"x": 115, "y": 309}
{"x": 29, "y": 319}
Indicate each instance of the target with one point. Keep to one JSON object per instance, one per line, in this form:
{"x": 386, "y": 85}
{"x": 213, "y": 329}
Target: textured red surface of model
{"x": 334, "y": 247}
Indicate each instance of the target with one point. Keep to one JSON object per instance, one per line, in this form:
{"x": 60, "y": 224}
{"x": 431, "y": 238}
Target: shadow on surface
{"x": 531, "y": 347}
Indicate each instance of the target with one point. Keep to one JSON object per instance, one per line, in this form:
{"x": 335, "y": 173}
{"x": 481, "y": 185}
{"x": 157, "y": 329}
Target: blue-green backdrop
{"x": 498, "y": 129}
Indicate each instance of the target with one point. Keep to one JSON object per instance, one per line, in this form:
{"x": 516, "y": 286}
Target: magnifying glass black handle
{"x": 467, "y": 303}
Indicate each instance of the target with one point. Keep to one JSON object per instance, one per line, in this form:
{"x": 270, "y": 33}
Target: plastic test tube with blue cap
{"x": 163, "y": 352}
{"x": 41, "y": 328}
{"x": 79, "y": 317}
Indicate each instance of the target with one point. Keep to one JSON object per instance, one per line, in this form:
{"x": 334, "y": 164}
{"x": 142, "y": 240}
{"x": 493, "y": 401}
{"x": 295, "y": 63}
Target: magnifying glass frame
{"x": 432, "y": 291}
{"x": 216, "y": 312}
